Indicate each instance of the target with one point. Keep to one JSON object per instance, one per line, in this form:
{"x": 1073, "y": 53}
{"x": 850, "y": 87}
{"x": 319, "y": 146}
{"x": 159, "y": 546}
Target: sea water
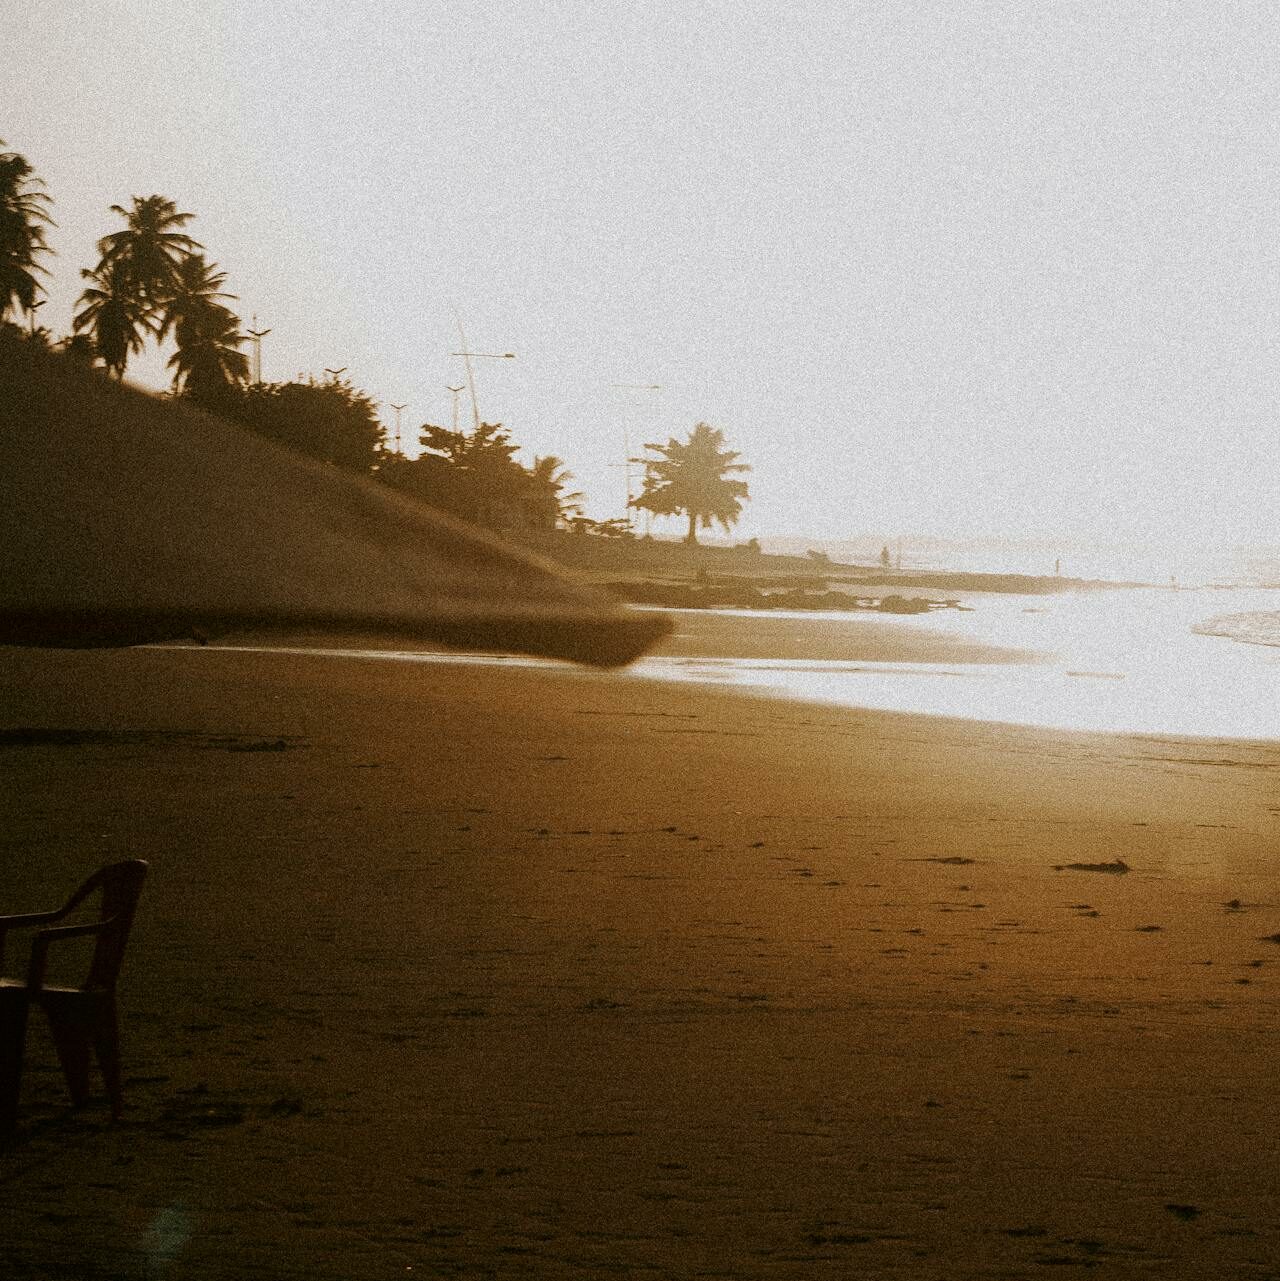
{"x": 1136, "y": 660}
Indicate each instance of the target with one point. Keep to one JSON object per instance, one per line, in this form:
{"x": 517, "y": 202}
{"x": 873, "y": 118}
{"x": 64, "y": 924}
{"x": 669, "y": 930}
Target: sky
{"x": 956, "y": 269}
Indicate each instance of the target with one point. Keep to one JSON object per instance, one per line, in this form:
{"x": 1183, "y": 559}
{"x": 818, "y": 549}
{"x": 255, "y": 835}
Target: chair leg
{"x": 106, "y": 1045}
{"x": 14, "y": 1006}
{"x": 71, "y": 1039}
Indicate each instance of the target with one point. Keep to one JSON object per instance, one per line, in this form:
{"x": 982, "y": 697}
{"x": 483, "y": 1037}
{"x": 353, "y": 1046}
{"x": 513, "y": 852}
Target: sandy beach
{"x": 449, "y": 970}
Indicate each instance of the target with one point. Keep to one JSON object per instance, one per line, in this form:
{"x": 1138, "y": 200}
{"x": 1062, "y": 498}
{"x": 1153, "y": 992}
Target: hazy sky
{"x": 942, "y": 268}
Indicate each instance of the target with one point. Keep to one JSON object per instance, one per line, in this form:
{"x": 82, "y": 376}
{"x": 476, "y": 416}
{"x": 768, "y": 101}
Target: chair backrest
{"x": 121, "y": 884}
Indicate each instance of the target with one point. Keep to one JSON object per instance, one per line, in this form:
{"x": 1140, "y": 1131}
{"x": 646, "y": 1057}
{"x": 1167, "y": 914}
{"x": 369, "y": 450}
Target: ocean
{"x": 1128, "y": 660}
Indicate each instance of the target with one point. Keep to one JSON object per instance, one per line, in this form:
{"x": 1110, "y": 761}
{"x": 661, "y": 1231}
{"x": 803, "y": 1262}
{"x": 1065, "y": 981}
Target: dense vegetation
{"x": 153, "y": 282}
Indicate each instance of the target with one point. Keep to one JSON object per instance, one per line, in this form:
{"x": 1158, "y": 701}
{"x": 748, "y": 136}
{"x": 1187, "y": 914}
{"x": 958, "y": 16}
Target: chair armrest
{"x": 40, "y": 946}
{"x": 24, "y": 921}
{"x": 28, "y": 918}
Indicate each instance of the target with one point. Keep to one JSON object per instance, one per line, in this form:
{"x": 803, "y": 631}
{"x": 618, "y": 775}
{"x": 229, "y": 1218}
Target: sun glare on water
{"x": 1115, "y": 662}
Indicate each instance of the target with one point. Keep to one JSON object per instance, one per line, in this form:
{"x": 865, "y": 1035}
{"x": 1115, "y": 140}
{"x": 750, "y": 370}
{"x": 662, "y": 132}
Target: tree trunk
{"x": 692, "y": 536}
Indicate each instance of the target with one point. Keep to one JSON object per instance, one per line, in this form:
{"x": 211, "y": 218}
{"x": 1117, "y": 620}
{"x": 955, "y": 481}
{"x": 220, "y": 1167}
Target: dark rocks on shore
{"x": 743, "y": 596}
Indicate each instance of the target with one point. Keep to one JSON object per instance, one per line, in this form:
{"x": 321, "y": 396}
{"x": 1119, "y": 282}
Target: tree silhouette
{"x": 113, "y": 316}
{"x": 24, "y": 214}
{"x": 150, "y": 248}
{"x": 474, "y": 475}
{"x": 547, "y": 504}
{"x": 694, "y": 477}
{"x": 194, "y": 296}
{"x": 331, "y": 421}
{"x": 208, "y": 362}
{"x": 79, "y": 349}
{"x": 138, "y": 274}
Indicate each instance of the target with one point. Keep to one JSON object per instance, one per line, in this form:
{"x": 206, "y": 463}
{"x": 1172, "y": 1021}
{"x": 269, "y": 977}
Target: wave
{"x": 1259, "y": 628}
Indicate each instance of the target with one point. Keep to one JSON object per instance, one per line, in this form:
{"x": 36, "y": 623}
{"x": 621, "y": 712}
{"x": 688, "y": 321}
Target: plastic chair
{"x": 79, "y": 1017}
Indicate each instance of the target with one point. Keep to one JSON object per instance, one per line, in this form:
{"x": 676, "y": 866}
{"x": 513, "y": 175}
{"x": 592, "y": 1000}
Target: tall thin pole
{"x": 257, "y": 335}
{"x": 397, "y": 408}
{"x": 455, "y": 391}
{"x": 626, "y": 445}
{"x": 471, "y": 378}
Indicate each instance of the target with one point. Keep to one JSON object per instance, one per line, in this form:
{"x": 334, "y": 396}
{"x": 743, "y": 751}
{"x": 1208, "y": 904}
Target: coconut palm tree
{"x": 24, "y": 214}
{"x": 208, "y": 361}
{"x": 547, "y": 503}
{"x": 196, "y": 291}
{"x": 113, "y": 316}
{"x": 694, "y": 477}
{"x": 150, "y": 248}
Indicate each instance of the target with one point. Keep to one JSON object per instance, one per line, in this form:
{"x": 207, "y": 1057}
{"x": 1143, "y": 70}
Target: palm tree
{"x": 547, "y": 504}
{"x": 209, "y": 362}
{"x": 116, "y": 320}
{"x": 197, "y": 287}
{"x": 150, "y": 249}
{"x": 24, "y": 215}
{"x": 693, "y": 477}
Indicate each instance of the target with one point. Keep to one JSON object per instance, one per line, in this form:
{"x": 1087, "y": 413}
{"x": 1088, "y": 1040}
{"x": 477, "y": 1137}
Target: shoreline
{"x": 1134, "y": 665}
{"x": 849, "y": 638}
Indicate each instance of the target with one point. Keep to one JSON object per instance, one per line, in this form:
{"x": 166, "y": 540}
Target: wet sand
{"x": 449, "y": 971}
{"x": 850, "y": 638}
